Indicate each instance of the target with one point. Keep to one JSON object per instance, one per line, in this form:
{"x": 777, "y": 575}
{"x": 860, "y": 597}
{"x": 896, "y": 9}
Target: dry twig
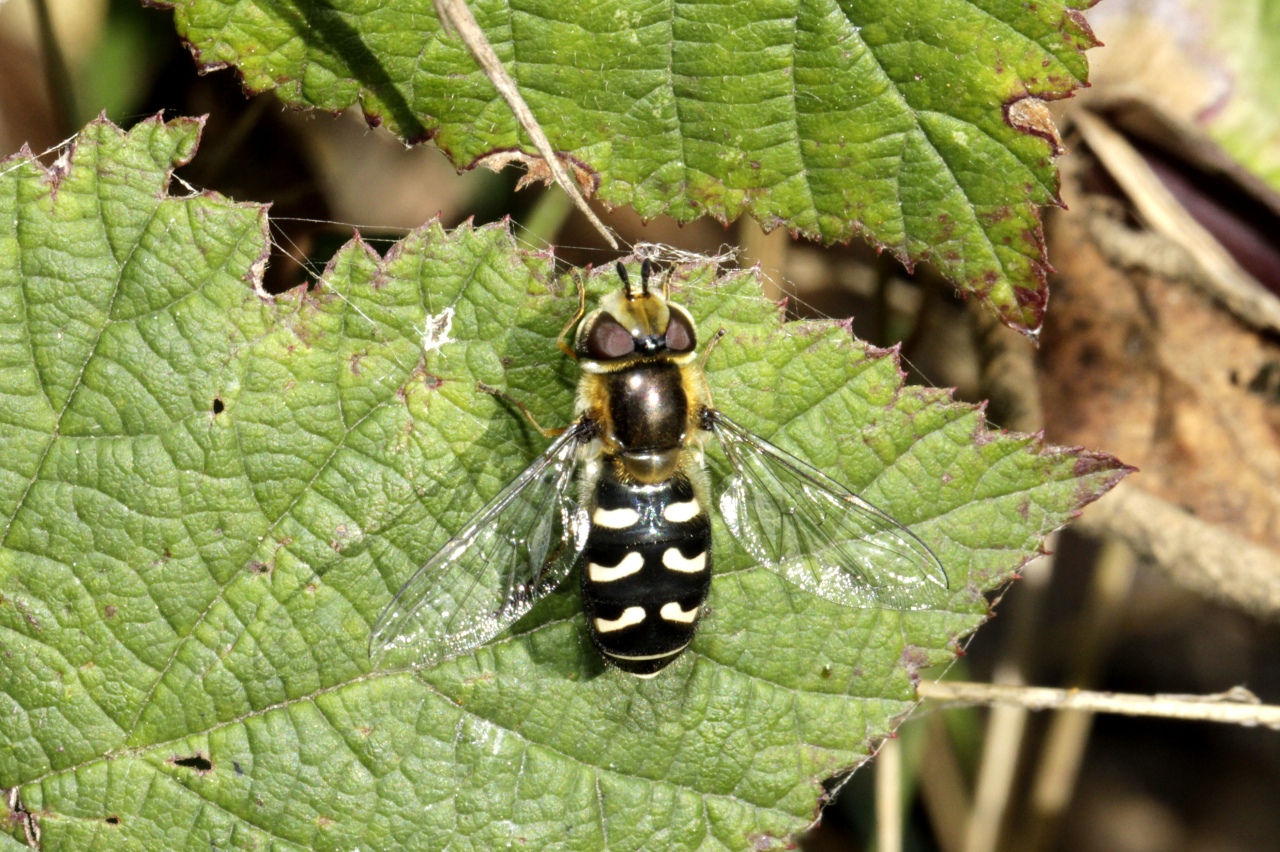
{"x": 1223, "y": 278}
{"x": 889, "y": 796}
{"x": 1007, "y": 379}
{"x": 1237, "y": 706}
{"x": 456, "y": 15}
{"x": 1062, "y": 752}
{"x": 1199, "y": 556}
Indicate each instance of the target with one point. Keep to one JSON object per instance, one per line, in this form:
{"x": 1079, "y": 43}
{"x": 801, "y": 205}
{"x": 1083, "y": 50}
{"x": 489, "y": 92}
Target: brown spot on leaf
{"x": 1088, "y": 464}
{"x": 764, "y": 840}
{"x": 1035, "y": 298}
{"x": 423, "y": 136}
{"x": 1077, "y": 17}
{"x": 913, "y": 659}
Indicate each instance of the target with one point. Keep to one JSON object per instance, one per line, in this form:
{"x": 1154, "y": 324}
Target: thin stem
{"x": 769, "y": 251}
{"x": 1237, "y": 706}
{"x": 942, "y": 787}
{"x": 456, "y": 14}
{"x": 1002, "y": 748}
{"x": 1224, "y": 280}
{"x": 889, "y": 797}
{"x": 1062, "y": 753}
{"x": 548, "y": 216}
{"x": 1198, "y": 555}
{"x": 1006, "y": 726}
{"x": 57, "y": 76}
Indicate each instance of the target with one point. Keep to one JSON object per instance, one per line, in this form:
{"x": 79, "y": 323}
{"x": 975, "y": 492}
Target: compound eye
{"x": 680, "y": 336}
{"x": 608, "y": 340}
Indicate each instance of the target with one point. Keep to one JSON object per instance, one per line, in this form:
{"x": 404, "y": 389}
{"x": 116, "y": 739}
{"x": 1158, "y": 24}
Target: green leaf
{"x": 208, "y": 496}
{"x": 9, "y": 843}
{"x": 888, "y": 119}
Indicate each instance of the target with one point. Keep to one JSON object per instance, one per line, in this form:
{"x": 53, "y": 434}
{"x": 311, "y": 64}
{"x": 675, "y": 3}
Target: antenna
{"x": 626, "y": 281}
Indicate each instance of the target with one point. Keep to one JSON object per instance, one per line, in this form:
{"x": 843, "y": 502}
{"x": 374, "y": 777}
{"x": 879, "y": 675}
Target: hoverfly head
{"x": 635, "y": 322}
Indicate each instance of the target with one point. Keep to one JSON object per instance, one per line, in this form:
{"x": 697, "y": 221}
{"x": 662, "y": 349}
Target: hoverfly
{"x": 624, "y": 490}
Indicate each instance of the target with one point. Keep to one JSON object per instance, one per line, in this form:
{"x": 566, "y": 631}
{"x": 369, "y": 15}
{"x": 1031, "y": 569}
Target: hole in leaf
{"x": 113, "y": 820}
{"x": 218, "y": 406}
{"x": 198, "y": 762}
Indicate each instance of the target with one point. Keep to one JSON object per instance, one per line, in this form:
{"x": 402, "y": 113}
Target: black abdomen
{"x": 646, "y": 570}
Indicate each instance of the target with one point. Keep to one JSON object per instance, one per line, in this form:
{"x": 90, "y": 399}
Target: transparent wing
{"x": 514, "y": 552}
{"x": 819, "y": 535}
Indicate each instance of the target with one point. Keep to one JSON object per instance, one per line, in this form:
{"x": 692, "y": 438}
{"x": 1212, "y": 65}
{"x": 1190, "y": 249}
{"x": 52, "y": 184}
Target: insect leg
{"x": 711, "y": 344}
{"x": 564, "y": 332}
{"x": 503, "y": 395}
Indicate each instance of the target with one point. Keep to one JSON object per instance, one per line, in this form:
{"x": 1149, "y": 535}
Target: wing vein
{"x": 817, "y": 534}
{"x": 516, "y": 550}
